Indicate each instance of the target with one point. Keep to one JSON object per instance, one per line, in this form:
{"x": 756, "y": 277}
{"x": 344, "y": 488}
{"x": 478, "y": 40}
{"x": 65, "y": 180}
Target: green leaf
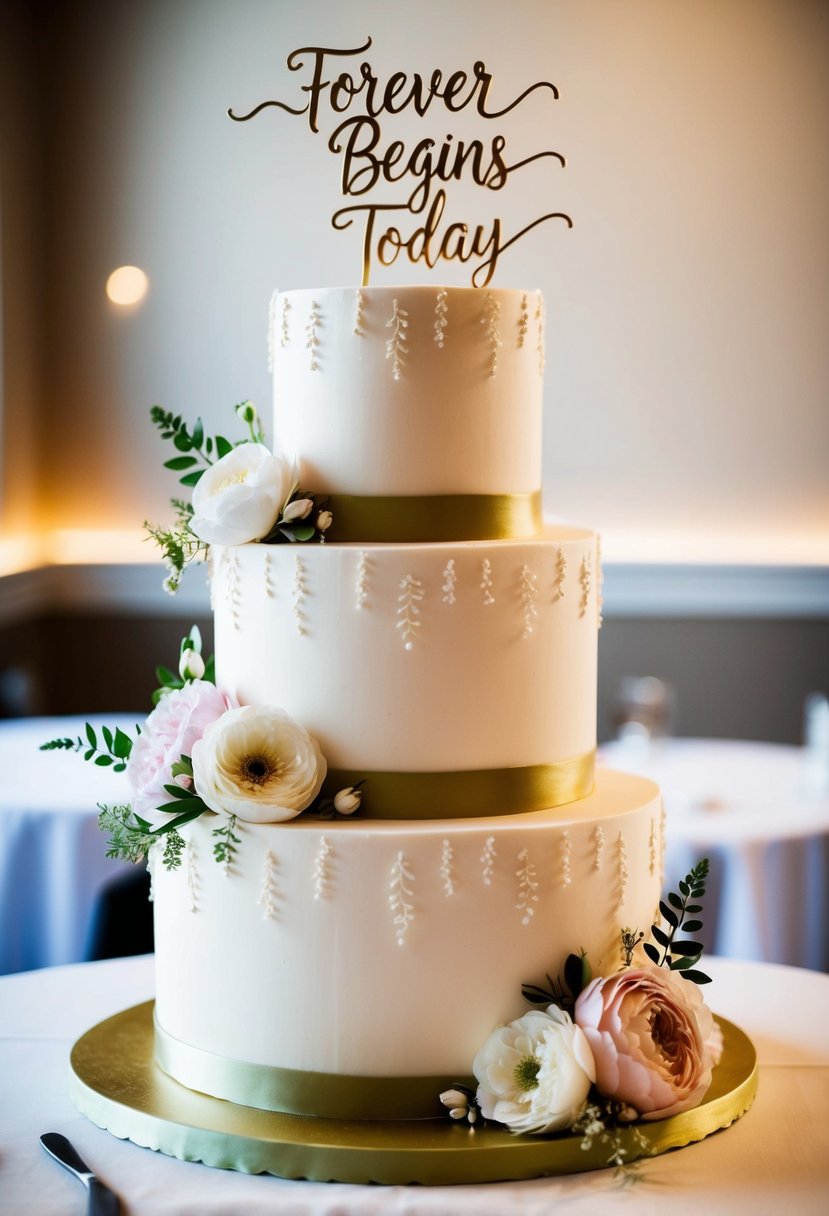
{"x": 687, "y": 948}
{"x": 181, "y": 462}
{"x": 674, "y": 899}
{"x": 107, "y": 733}
{"x": 103, "y": 760}
{"x": 652, "y": 952}
{"x": 122, "y": 745}
{"x": 208, "y": 447}
{"x": 192, "y": 479}
{"x": 691, "y": 926}
{"x": 198, "y": 433}
{"x": 89, "y": 754}
{"x": 684, "y": 888}
{"x": 669, "y": 914}
{"x": 693, "y": 907}
{"x": 683, "y": 964}
{"x": 698, "y": 977}
{"x": 90, "y": 734}
{"x": 176, "y": 791}
{"x": 660, "y": 935}
{"x": 223, "y": 446}
{"x": 301, "y": 532}
{"x": 182, "y": 441}
{"x": 171, "y": 808}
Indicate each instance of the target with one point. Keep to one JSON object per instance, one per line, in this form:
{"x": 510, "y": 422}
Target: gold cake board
{"x": 117, "y": 1085}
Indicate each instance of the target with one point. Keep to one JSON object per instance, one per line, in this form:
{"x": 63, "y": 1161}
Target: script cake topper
{"x": 366, "y": 163}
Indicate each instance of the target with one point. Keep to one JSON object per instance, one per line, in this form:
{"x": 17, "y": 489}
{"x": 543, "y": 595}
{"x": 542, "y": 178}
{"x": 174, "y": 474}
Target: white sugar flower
{"x": 191, "y": 664}
{"x": 534, "y": 1074}
{"x": 259, "y": 764}
{"x": 300, "y": 508}
{"x": 324, "y": 521}
{"x": 348, "y": 800}
{"x": 241, "y": 496}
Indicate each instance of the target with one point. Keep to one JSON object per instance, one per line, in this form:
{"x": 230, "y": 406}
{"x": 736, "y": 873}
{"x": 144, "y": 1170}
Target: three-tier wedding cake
{"x": 440, "y": 647}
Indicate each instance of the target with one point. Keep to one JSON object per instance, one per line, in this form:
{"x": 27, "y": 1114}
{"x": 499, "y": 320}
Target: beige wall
{"x": 687, "y": 371}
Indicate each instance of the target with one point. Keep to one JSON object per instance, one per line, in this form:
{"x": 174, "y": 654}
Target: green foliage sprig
{"x": 196, "y": 447}
{"x": 681, "y": 955}
{"x": 224, "y": 849}
{"x": 115, "y": 751}
{"x": 561, "y": 991}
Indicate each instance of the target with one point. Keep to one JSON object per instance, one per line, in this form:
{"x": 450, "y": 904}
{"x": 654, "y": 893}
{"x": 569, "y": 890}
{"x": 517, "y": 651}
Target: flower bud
{"x": 453, "y": 1097}
{"x": 300, "y": 508}
{"x": 457, "y": 1112}
{"x": 347, "y": 801}
{"x": 324, "y": 521}
{"x": 246, "y": 410}
{"x": 191, "y": 664}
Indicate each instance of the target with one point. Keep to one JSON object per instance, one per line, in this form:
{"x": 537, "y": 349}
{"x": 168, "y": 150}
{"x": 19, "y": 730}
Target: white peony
{"x": 257, "y": 763}
{"x": 241, "y": 496}
{"x": 534, "y": 1074}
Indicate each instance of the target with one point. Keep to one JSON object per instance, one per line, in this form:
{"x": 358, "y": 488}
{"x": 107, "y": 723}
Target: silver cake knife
{"x": 102, "y": 1201}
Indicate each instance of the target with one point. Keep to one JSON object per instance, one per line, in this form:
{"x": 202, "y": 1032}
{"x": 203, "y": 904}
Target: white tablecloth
{"x": 754, "y": 811}
{"x": 775, "y": 1159}
{"x": 53, "y": 859}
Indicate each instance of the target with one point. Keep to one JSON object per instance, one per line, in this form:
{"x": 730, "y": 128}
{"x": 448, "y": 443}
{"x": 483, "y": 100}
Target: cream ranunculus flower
{"x": 241, "y": 496}
{"x": 257, "y": 763}
{"x": 534, "y": 1074}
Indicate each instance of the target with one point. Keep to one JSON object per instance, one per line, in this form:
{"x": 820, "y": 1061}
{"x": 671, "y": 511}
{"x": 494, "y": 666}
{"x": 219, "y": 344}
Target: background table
{"x": 775, "y": 1159}
{"x": 753, "y": 809}
{"x": 53, "y": 861}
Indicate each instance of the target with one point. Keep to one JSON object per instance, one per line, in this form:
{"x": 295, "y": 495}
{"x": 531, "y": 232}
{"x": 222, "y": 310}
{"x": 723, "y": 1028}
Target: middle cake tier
{"x": 463, "y": 671}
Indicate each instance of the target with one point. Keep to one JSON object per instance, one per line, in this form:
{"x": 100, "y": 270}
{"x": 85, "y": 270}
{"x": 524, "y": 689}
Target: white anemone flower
{"x": 259, "y": 764}
{"x": 534, "y": 1074}
{"x": 240, "y": 497}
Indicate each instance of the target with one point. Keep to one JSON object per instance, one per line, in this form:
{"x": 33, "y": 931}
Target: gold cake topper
{"x": 366, "y": 162}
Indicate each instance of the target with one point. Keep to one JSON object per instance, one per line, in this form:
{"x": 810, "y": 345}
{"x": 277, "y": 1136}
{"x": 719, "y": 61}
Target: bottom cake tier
{"x": 351, "y": 969}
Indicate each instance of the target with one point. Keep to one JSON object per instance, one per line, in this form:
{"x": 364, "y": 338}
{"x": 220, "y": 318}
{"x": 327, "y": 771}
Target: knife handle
{"x": 65, "y": 1153}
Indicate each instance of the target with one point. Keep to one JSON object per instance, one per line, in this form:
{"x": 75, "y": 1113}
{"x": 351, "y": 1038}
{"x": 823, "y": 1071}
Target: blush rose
{"x": 653, "y": 1039}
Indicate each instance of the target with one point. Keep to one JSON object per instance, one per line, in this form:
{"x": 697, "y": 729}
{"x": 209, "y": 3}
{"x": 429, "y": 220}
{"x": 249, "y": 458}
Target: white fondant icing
{"x": 334, "y": 992}
{"x": 444, "y": 427}
{"x": 471, "y": 693}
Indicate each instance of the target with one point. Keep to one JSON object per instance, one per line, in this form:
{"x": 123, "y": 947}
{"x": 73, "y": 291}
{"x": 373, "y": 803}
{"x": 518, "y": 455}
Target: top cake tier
{"x": 392, "y": 398}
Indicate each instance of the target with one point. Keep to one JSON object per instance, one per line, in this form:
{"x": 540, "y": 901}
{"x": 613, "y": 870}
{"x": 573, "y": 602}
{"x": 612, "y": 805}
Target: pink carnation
{"x": 177, "y": 722}
{"x": 653, "y": 1039}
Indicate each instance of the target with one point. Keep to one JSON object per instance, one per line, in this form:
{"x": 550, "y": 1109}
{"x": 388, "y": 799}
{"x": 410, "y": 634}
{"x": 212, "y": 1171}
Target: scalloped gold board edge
{"x": 116, "y": 1084}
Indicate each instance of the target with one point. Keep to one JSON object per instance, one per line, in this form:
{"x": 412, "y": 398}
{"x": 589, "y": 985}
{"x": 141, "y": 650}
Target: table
{"x": 774, "y": 1159}
{"x": 53, "y": 860}
{"x": 755, "y": 812}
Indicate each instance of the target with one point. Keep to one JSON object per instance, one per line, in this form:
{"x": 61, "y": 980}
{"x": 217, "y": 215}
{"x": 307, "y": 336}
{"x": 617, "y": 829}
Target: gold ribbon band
{"x": 468, "y": 793}
{"x": 435, "y": 517}
{"x": 293, "y": 1091}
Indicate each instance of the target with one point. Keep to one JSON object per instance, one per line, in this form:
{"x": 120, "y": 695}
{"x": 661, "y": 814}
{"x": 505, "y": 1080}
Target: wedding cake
{"x": 440, "y": 648}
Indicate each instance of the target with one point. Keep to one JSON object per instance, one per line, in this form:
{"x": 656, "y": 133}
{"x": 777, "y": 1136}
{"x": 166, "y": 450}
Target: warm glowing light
{"x": 127, "y": 285}
{"x": 81, "y": 546}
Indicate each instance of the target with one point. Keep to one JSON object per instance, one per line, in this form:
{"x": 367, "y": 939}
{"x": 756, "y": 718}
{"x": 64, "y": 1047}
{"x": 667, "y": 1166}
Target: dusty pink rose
{"x": 652, "y": 1038}
{"x": 177, "y": 722}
